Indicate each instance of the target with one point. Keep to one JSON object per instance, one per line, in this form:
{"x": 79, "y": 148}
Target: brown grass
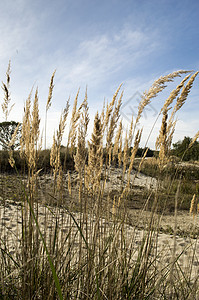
{"x": 75, "y": 238}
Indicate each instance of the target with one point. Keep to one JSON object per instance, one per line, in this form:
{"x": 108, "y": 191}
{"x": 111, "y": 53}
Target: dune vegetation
{"x": 66, "y": 233}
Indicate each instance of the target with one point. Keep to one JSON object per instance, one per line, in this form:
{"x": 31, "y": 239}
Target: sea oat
{"x": 185, "y": 91}
{"x": 35, "y": 118}
{"x": 95, "y": 155}
{"x": 158, "y": 86}
{"x": 125, "y": 153}
{"x": 161, "y": 141}
{"x": 163, "y": 130}
{"x": 49, "y": 101}
{"x": 30, "y": 132}
{"x": 170, "y": 130}
{"x": 60, "y": 180}
{"x": 193, "y": 206}
{"x": 26, "y": 127}
{"x": 133, "y": 152}
{"x": 69, "y": 184}
{"x": 182, "y": 98}
{"x": 142, "y": 160}
{"x": 194, "y": 139}
{"x": 130, "y": 138}
{"x": 73, "y": 125}
{"x": 34, "y": 132}
{"x": 11, "y": 158}
{"x": 55, "y": 150}
{"x": 113, "y": 120}
{"x": 14, "y": 136}
{"x": 120, "y": 152}
{"x": 83, "y": 112}
{"x": 6, "y": 101}
{"x": 117, "y": 140}
{"x": 80, "y": 157}
{"x": 174, "y": 93}
{"x": 62, "y": 123}
{"x": 110, "y": 107}
{"x": 102, "y": 116}
{"x": 164, "y": 140}
{"x": 110, "y": 123}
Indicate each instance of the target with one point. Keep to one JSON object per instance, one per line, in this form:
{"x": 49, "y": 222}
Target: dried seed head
{"x": 69, "y": 184}
{"x": 35, "y": 119}
{"x": 6, "y": 101}
{"x": 194, "y": 139}
{"x": 125, "y": 154}
{"x": 193, "y": 206}
{"x": 53, "y": 152}
{"x": 26, "y": 128}
{"x": 49, "y": 101}
{"x": 174, "y": 93}
{"x": 80, "y": 156}
{"x": 134, "y": 151}
{"x": 120, "y": 152}
{"x": 14, "y": 136}
{"x": 158, "y": 86}
{"x": 130, "y": 138}
{"x": 110, "y": 107}
{"x": 185, "y": 91}
{"x": 113, "y": 121}
{"x": 73, "y": 125}
{"x": 11, "y": 158}
{"x": 62, "y": 124}
{"x": 117, "y": 140}
{"x": 142, "y": 160}
{"x": 95, "y": 155}
{"x": 60, "y": 180}
{"x": 161, "y": 141}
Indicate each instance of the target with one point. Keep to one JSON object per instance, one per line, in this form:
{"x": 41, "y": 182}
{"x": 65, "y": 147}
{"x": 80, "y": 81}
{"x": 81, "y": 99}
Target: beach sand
{"x": 168, "y": 247}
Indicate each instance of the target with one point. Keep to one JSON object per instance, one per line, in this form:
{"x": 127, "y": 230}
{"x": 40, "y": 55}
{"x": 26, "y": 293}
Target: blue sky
{"x": 100, "y": 44}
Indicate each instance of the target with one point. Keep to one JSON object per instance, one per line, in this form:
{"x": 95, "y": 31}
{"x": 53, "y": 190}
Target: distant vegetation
{"x": 182, "y": 150}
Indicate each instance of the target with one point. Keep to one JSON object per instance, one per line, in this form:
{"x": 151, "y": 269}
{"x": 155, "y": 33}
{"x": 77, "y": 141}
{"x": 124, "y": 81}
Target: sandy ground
{"x": 137, "y": 179}
{"x": 167, "y": 246}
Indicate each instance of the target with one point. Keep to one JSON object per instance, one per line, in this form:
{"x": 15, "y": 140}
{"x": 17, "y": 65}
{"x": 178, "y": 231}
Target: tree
{"x": 181, "y": 149}
{"x": 6, "y": 131}
{"x": 141, "y": 152}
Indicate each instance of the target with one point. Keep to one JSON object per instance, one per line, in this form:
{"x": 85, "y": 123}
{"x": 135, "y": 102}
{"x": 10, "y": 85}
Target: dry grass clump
{"x": 81, "y": 153}
{"x": 49, "y": 101}
{"x": 164, "y": 140}
{"x": 73, "y": 124}
{"x": 117, "y": 148}
{"x": 95, "y": 157}
{"x": 55, "y": 150}
{"x": 86, "y": 246}
{"x": 7, "y": 98}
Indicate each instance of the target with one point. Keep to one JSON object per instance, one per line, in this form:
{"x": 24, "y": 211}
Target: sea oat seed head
{"x": 48, "y": 104}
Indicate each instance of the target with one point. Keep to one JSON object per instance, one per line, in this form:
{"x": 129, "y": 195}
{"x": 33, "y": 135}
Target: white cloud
{"x": 102, "y": 61}
{"x": 105, "y": 55}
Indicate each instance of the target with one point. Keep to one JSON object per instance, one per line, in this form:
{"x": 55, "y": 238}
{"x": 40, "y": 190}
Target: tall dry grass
{"x": 72, "y": 240}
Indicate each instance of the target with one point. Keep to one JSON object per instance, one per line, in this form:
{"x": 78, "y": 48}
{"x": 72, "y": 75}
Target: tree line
{"x": 180, "y": 149}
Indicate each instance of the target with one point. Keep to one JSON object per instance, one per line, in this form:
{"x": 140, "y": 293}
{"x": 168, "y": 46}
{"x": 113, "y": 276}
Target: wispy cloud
{"x": 99, "y": 46}
{"x": 106, "y": 55}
